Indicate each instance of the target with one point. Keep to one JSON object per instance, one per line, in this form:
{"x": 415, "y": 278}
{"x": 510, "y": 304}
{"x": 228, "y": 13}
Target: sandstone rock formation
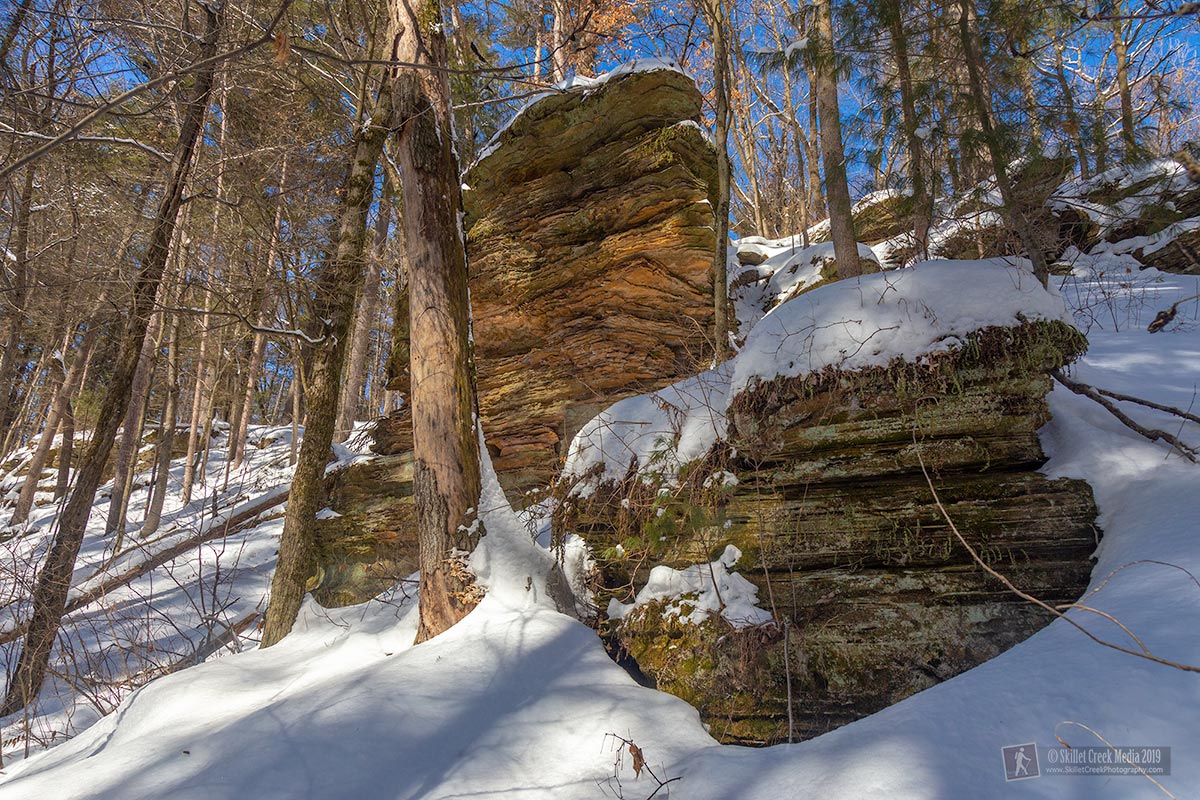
{"x": 874, "y": 597}
{"x": 589, "y": 236}
{"x": 975, "y": 229}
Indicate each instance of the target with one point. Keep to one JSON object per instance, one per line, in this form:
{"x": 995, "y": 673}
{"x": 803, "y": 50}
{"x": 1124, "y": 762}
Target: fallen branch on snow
{"x": 217, "y": 531}
{"x": 1153, "y": 434}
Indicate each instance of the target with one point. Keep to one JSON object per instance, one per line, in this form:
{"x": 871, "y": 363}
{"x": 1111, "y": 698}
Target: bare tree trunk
{"x": 59, "y": 407}
{"x": 259, "y": 347}
{"x": 446, "y": 481}
{"x": 200, "y": 395}
{"x": 206, "y": 377}
{"x": 1072, "y": 125}
{"x": 166, "y": 434}
{"x": 1121, "y": 48}
{"x": 718, "y": 22}
{"x": 333, "y": 305}
{"x": 1013, "y": 215}
{"x": 14, "y": 25}
{"x": 16, "y": 296}
{"x": 65, "y": 451}
{"x": 922, "y": 211}
{"x": 131, "y": 433}
{"x": 837, "y": 191}
{"x": 1029, "y": 92}
{"x": 558, "y": 40}
{"x": 297, "y": 405}
{"x": 816, "y": 198}
{"x": 54, "y": 580}
{"x": 364, "y": 320}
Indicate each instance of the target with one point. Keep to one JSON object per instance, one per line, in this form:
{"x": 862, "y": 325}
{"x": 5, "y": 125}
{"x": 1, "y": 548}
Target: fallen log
{"x": 218, "y": 529}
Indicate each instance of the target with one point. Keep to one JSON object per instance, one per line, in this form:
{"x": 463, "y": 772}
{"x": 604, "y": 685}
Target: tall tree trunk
{"x": 54, "y": 580}
{"x": 446, "y": 480}
{"x": 1124, "y": 92}
{"x": 1033, "y": 110}
{"x": 297, "y": 408}
{"x": 816, "y": 197}
{"x": 65, "y": 451}
{"x": 364, "y": 320}
{"x": 718, "y": 21}
{"x": 558, "y": 39}
{"x": 837, "y": 191}
{"x": 14, "y": 26}
{"x": 922, "y": 210}
{"x": 131, "y": 433}
{"x": 201, "y": 393}
{"x": 259, "y": 347}
{"x": 15, "y": 307}
{"x": 166, "y": 434}
{"x": 1072, "y": 126}
{"x": 59, "y": 408}
{"x": 1010, "y": 209}
{"x": 333, "y": 305}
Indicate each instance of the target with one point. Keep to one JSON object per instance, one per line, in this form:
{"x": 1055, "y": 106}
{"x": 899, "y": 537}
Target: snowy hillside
{"x": 519, "y": 701}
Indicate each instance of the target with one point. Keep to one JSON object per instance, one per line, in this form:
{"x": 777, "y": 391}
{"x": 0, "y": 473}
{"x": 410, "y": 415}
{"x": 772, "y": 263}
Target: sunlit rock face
{"x": 820, "y": 483}
{"x": 589, "y": 229}
{"x": 590, "y": 234}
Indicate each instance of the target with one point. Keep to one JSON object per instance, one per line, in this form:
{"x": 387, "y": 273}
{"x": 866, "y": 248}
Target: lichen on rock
{"x": 872, "y": 596}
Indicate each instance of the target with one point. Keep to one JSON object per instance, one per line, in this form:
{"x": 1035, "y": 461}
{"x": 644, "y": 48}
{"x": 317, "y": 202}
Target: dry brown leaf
{"x": 283, "y": 47}
{"x": 638, "y": 760}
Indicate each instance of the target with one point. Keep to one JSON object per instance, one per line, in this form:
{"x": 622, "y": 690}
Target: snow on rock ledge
{"x": 862, "y": 322}
{"x": 824, "y": 420}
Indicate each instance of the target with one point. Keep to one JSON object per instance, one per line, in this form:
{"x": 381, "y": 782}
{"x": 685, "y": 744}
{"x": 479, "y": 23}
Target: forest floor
{"x": 521, "y": 701}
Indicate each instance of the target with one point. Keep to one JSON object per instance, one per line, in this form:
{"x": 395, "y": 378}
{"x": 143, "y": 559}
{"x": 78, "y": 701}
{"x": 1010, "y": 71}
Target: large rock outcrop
{"x": 818, "y": 481}
{"x": 589, "y": 236}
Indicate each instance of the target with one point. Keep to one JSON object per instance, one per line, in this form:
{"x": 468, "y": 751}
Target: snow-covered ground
{"x": 521, "y": 701}
{"x": 160, "y": 620}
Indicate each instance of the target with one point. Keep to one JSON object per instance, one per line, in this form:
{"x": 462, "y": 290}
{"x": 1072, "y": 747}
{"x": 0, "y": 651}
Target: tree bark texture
{"x": 833, "y": 155}
{"x": 1014, "y": 217}
{"x": 333, "y": 307}
{"x": 446, "y": 483}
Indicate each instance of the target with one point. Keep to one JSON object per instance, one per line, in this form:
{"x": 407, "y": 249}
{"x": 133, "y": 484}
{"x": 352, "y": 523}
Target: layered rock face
{"x": 589, "y": 237}
{"x": 873, "y": 595}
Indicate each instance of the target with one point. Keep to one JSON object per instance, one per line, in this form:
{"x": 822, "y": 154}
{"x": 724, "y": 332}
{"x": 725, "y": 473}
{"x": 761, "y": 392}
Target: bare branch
{"x": 106, "y": 108}
{"x": 1153, "y": 434}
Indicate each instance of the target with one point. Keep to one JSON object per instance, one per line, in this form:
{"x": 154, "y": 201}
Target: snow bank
{"x": 517, "y": 701}
{"x": 909, "y": 313}
{"x": 787, "y": 270}
{"x": 851, "y": 324}
{"x": 694, "y": 593}
{"x": 509, "y": 703}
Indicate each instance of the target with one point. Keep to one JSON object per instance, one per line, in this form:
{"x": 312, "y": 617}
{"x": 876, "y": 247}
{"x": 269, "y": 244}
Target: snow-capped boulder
{"x": 804, "y": 453}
